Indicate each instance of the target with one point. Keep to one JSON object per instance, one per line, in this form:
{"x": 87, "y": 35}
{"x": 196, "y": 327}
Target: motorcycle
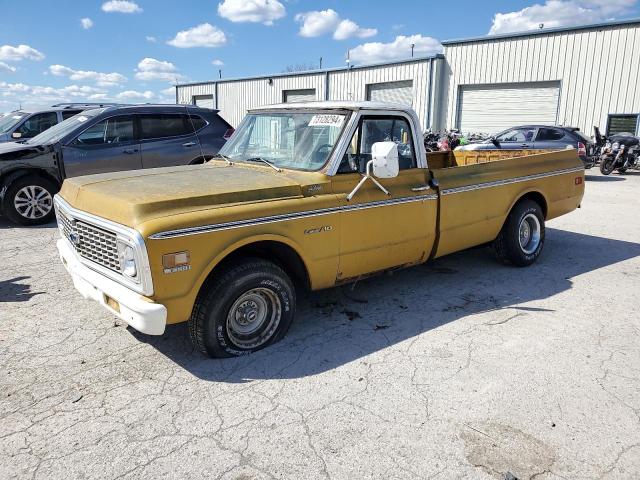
{"x": 621, "y": 152}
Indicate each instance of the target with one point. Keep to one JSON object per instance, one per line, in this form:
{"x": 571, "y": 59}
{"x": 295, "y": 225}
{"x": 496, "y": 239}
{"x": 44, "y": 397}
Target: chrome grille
{"x": 93, "y": 243}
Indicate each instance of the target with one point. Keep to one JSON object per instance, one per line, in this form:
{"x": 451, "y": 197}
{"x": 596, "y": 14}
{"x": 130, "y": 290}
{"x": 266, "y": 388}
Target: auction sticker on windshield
{"x": 326, "y": 120}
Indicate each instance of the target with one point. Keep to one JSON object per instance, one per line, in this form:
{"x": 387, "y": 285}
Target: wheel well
{"x": 536, "y": 197}
{"x": 280, "y": 253}
{"x": 10, "y": 177}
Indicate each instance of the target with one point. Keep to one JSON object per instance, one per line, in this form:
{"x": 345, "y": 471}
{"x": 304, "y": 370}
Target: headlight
{"x": 127, "y": 260}
{"x": 615, "y": 146}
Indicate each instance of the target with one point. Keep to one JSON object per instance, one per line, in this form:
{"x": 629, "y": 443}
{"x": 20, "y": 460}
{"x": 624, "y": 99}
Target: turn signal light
{"x": 578, "y": 181}
{"x": 582, "y": 149}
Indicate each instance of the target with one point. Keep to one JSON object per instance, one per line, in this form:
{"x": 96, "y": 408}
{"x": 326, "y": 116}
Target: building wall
{"x": 599, "y": 71}
{"x": 235, "y": 97}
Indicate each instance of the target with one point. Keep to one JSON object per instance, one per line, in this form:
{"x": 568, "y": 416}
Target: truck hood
{"x": 20, "y": 151}
{"x": 133, "y": 197}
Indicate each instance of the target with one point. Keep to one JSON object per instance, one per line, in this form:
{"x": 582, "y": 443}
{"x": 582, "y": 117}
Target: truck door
{"x": 380, "y": 231}
{"x": 107, "y": 146}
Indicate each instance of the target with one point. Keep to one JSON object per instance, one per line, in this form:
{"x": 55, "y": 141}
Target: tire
{"x": 18, "y": 205}
{"x": 259, "y": 292}
{"x": 508, "y": 246}
{"x": 607, "y": 166}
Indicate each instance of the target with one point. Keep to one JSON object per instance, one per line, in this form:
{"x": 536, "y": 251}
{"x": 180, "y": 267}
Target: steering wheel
{"x": 320, "y": 155}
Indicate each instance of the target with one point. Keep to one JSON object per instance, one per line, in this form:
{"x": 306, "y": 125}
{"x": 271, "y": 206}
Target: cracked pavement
{"x": 461, "y": 368}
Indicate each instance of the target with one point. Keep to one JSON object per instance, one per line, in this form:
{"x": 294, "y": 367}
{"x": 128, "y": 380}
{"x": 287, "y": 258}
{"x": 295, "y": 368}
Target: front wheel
{"x": 521, "y": 239}
{"x": 607, "y": 166}
{"x": 29, "y": 200}
{"x": 247, "y": 306}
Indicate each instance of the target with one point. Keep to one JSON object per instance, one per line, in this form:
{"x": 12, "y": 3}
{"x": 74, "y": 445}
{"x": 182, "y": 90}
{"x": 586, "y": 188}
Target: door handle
{"x": 189, "y": 144}
{"x": 420, "y": 188}
{"x": 130, "y": 151}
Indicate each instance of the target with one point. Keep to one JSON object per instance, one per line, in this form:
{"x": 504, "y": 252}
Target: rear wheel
{"x": 521, "y": 239}
{"x": 29, "y": 200}
{"x": 247, "y": 306}
{"x": 607, "y": 166}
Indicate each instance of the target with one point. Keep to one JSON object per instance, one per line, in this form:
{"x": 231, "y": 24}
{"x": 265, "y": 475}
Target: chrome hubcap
{"x": 529, "y": 233}
{"x": 33, "y": 202}
{"x": 253, "y": 318}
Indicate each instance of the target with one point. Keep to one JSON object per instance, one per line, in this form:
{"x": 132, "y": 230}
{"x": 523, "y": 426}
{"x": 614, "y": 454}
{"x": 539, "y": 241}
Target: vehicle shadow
{"x": 340, "y": 325}
{"x": 12, "y": 291}
{"x": 602, "y": 178}
{"x": 5, "y": 224}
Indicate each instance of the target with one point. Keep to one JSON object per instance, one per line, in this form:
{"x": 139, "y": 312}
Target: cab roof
{"x": 336, "y": 105}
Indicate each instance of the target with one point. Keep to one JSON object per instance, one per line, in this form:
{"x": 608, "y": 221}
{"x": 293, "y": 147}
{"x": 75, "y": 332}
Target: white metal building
{"x": 579, "y": 76}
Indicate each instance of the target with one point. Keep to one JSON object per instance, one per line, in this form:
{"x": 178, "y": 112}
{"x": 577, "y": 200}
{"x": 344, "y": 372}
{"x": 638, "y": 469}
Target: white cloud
{"x": 98, "y": 97}
{"x": 151, "y": 39}
{"x": 349, "y": 29}
{"x": 217, "y": 63}
{"x": 43, "y": 94}
{"x": 322, "y": 22}
{"x": 121, "y": 6}
{"x": 559, "y": 13}
{"x": 205, "y": 35}
{"x": 398, "y": 49}
{"x": 101, "y": 79}
{"x": 6, "y": 68}
{"x": 257, "y": 11}
{"x": 152, "y": 69}
{"x": 135, "y": 95}
{"x": 21, "y": 52}
{"x": 86, "y": 23}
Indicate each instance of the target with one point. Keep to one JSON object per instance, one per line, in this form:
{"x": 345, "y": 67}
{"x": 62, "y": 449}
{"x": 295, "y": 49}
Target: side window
{"x": 110, "y": 131}
{"x": 163, "y": 125}
{"x": 198, "y": 122}
{"x": 69, "y": 113}
{"x": 37, "y": 124}
{"x": 373, "y": 130}
{"x": 549, "y": 134}
{"x": 517, "y": 135}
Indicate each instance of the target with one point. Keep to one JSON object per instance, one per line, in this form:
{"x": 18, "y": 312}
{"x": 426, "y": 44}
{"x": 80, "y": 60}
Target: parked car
{"x": 103, "y": 140}
{"x": 334, "y": 191}
{"x": 23, "y": 125}
{"x": 540, "y": 137}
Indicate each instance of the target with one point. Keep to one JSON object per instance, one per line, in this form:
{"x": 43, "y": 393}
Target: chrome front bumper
{"x": 137, "y": 311}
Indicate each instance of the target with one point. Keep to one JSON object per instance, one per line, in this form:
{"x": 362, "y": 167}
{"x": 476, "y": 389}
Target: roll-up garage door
{"x": 204, "y": 101}
{"x": 306, "y": 95}
{"x": 492, "y": 108}
{"x": 395, "y": 92}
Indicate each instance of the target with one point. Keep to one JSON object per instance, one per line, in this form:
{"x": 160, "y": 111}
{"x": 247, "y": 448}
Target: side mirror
{"x": 385, "y": 159}
{"x": 495, "y": 141}
{"x": 16, "y": 135}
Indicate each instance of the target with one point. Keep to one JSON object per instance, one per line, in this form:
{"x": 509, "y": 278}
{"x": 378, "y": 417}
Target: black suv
{"x": 99, "y": 141}
{"x": 23, "y": 125}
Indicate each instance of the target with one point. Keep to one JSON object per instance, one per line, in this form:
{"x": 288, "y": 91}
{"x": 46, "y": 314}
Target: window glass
{"x": 373, "y": 130}
{"x": 69, "y": 113}
{"x": 298, "y": 140}
{"x": 517, "y": 135}
{"x": 198, "y": 122}
{"x": 111, "y": 131}
{"x": 37, "y": 124}
{"x": 549, "y": 134}
{"x": 163, "y": 125}
{"x": 10, "y": 120}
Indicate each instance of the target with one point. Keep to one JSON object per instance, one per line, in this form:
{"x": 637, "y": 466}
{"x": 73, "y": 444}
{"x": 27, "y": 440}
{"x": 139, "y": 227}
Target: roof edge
{"x": 548, "y": 31}
{"x": 314, "y": 72}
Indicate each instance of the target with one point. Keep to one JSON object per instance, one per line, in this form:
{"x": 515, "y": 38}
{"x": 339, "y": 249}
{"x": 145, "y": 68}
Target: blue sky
{"x": 134, "y": 51}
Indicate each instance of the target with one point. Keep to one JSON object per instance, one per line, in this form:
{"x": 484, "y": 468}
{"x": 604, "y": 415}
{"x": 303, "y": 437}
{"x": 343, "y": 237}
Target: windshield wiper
{"x": 225, "y": 158}
{"x": 264, "y": 160}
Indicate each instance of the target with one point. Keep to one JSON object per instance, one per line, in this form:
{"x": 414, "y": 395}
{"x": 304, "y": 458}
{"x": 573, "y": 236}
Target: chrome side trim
{"x": 509, "y": 181}
{"x": 286, "y": 216}
{"x": 126, "y": 234}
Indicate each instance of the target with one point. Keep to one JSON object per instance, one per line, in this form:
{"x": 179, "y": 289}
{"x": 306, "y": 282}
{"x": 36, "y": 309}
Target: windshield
{"x": 10, "y": 120}
{"x": 55, "y": 133}
{"x": 296, "y": 140}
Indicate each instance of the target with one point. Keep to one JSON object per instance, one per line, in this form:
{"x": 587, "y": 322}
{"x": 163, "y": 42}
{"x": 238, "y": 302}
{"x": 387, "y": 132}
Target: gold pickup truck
{"x": 307, "y": 195}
